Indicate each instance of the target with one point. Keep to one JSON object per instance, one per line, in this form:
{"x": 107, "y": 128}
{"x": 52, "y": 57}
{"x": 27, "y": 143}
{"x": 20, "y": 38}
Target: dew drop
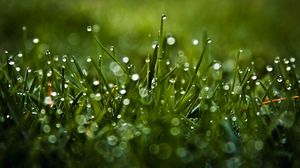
{"x": 154, "y": 44}
{"x": 96, "y": 82}
{"x": 217, "y": 66}
{"x": 171, "y": 40}
{"x": 213, "y": 109}
{"x": 163, "y": 17}
{"x": 135, "y": 77}
{"x": 54, "y": 94}
{"x": 81, "y": 119}
{"x": 195, "y": 42}
{"x": 80, "y": 129}
{"x": 172, "y": 80}
{"x": 11, "y": 62}
{"x": 48, "y": 101}
{"x": 254, "y": 77}
{"x": 234, "y": 118}
{"x": 89, "y": 59}
{"x": 175, "y": 131}
{"x": 46, "y": 128}
{"x": 52, "y": 139}
{"x": 143, "y": 92}
{"x": 279, "y": 79}
{"x": 48, "y": 52}
{"x": 126, "y": 102}
{"x": 122, "y": 91}
{"x": 186, "y": 66}
{"x": 35, "y": 40}
{"x": 116, "y": 69}
{"x": 269, "y": 68}
{"x": 89, "y": 28}
{"x": 286, "y": 61}
{"x": 125, "y": 60}
{"x": 292, "y": 59}
{"x": 288, "y": 68}
{"x": 175, "y": 121}
{"x": 209, "y": 41}
{"x": 226, "y": 87}
{"x": 277, "y": 60}
{"x": 59, "y": 111}
{"x": 20, "y": 55}
{"x": 119, "y": 116}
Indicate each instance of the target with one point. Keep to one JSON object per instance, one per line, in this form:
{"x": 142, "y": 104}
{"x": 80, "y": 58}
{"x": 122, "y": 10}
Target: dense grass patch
{"x": 169, "y": 112}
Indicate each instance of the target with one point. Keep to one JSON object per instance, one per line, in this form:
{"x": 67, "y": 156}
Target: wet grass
{"x": 106, "y": 112}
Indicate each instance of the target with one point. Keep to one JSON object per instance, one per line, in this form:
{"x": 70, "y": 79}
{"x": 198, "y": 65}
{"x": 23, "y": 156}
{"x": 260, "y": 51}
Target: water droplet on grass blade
{"x": 195, "y": 41}
{"x": 277, "y": 60}
{"x": 52, "y": 139}
{"x": 35, "y": 40}
{"x": 89, "y": 28}
{"x": 254, "y": 77}
{"x": 89, "y": 59}
{"x": 269, "y": 68}
{"x": 292, "y": 59}
{"x": 171, "y": 40}
{"x": 163, "y": 17}
{"x": 11, "y": 62}
{"x": 20, "y": 55}
{"x": 186, "y": 66}
{"x": 135, "y": 77}
{"x": 217, "y": 66}
{"x": 175, "y": 121}
{"x": 143, "y": 92}
{"x": 125, "y": 60}
{"x": 172, "y": 80}
{"x": 226, "y": 87}
{"x": 126, "y": 102}
{"x": 48, "y": 52}
{"x": 46, "y": 128}
{"x": 279, "y": 79}
{"x": 96, "y": 82}
{"x": 122, "y": 91}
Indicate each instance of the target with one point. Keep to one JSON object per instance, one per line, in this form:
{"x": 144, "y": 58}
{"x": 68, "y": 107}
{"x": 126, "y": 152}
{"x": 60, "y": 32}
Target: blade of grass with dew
{"x": 111, "y": 56}
{"x": 152, "y": 71}
{"x": 204, "y": 47}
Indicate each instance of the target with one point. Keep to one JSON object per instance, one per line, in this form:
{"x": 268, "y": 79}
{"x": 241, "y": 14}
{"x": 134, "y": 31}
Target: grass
{"x": 168, "y": 113}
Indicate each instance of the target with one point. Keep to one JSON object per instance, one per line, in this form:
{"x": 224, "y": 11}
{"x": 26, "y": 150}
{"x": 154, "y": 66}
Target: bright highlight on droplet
{"x": 135, "y": 77}
{"x": 125, "y": 60}
{"x": 96, "y": 82}
{"x": 171, "y": 40}
{"x": 269, "y": 68}
{"x": 217, "y": 66}
{"x": 35, "y": 40}
{"x": 126, "y": 102}
{"x": 89, "y": 59}
{"x": 89, "y": 28}
{"x": 195, "y": 42}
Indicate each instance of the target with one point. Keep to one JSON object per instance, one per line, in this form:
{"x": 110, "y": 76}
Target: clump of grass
{"x": 168, "y": 113}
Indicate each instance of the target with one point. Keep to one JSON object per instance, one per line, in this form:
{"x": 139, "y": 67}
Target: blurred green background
{"x": 264, "y": 28}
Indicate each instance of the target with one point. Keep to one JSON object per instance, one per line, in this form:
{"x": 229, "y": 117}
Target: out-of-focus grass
{"x": 266, "y": 28}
